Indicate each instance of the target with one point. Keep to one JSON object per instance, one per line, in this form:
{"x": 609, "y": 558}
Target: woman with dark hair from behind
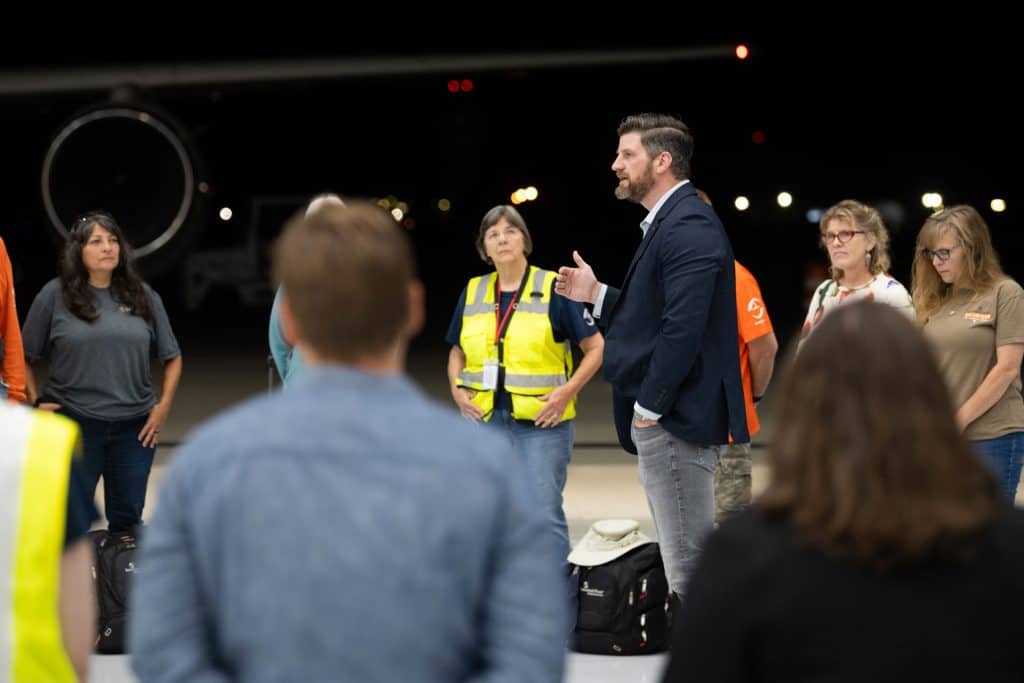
{"x": 98, "y": 324}
{"x": 285, "y": 356}
{"x": 881, "y": 550}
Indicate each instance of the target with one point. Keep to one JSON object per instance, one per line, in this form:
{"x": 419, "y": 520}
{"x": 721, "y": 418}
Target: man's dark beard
{"x": 636, "y": 191}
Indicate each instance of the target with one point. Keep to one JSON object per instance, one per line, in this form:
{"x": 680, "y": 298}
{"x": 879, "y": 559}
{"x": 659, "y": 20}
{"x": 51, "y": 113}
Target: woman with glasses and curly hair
{"x": 98, "y": 324}
{"x": 973, "y": 315}
{"x": 857, "y": 243}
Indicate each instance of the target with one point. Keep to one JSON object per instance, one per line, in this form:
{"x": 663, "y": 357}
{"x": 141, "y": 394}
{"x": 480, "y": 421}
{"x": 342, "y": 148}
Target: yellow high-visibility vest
{"x": 533, "y": 361}
{"x": 35, "y": 460}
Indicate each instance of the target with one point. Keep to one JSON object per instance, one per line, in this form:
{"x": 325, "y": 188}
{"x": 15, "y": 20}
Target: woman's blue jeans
{"x": 546, "y": 452}
{"x": 111, "y": 448}
{"x": 1003, "y": 456}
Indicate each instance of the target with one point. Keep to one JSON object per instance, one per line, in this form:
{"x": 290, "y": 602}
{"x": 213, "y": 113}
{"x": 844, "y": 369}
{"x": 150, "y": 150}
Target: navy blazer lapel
{"x": 665, "y": 210}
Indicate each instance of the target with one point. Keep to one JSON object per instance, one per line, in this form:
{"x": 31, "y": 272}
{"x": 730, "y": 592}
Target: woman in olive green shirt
{"x": 973, "y": 315}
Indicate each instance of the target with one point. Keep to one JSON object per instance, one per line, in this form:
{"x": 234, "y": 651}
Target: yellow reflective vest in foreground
{"x": 534, "y": 363}
{"x": 35, "y": 460}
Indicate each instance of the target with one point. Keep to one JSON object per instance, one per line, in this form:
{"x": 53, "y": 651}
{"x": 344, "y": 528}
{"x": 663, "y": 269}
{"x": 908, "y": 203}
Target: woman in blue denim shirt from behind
{"x": 973, "y": 315}
{"x": 98, "y": 324}
{"x": 287, "y": 361}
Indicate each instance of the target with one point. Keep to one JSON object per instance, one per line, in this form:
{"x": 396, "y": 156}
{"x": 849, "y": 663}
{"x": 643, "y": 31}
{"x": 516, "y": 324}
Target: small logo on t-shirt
{"x": 755, "y": 308}
{"x": 587, "y": 318}
{"x": 127, "y": 310}
{"x": 977, "y": 317}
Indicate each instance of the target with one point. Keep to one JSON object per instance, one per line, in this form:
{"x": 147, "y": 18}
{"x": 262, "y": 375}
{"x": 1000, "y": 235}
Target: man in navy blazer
{"x": 670, "y": 337}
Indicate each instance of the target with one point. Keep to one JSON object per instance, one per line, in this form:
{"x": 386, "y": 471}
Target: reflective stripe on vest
{"x": 534, "y": 362}
{"x": 35, "y": 459}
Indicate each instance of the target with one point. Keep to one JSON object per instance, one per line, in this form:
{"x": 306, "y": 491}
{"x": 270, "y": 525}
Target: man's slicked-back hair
{"x": 346, "y": 272}
{"x": 663, "y": 133}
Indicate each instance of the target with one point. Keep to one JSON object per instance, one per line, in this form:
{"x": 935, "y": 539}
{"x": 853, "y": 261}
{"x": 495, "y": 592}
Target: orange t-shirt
{"x": 12, "y": 365}
{"x": 753, "y": 322}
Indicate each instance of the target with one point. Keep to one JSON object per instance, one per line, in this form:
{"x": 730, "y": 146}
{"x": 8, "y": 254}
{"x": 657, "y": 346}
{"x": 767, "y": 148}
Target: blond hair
{"x": 861, "y": 217}
{"x": 980, "y": 273}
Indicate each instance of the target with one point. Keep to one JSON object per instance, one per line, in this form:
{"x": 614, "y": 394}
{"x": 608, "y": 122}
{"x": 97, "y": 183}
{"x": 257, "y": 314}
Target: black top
{"x": 81, "y": 510}
{"x": 761, "y": 607}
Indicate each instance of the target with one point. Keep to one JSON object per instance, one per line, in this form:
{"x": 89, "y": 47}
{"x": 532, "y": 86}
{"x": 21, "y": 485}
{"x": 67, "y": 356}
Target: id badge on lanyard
{"x": 490, "y": 380}
{"x": 491, "y": 365}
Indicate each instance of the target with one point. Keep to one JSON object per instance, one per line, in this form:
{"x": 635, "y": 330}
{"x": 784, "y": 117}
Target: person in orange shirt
{"x": 12, "y": 358}
{"x": 758, "y": 347}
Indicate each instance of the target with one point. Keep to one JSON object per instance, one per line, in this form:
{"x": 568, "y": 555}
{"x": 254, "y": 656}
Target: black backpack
{"x": 623, "y": 605}
{"x": 112, "y": 571}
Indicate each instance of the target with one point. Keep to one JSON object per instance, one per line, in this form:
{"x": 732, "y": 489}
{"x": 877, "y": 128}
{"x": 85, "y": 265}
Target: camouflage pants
{"x": 732, "y": 480}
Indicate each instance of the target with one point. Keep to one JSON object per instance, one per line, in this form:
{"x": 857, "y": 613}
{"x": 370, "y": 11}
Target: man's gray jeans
{"x": 679, "y": 480}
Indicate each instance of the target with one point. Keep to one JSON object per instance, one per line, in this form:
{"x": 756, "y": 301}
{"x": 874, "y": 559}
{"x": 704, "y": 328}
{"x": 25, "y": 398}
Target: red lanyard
{"x": 498, "y": 319}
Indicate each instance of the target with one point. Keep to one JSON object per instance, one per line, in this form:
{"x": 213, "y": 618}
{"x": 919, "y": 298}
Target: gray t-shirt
{"x": 99, "y": 369}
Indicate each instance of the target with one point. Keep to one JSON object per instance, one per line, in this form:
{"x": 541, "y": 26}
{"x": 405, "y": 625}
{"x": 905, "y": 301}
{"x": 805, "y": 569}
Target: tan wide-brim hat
{"x": 606, "y": 540}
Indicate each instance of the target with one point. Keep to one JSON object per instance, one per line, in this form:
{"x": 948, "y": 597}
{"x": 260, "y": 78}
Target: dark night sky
{"x": 881, "y": 119}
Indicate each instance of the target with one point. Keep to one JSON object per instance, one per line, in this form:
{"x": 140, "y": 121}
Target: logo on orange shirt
{"x": 756, "y": 310}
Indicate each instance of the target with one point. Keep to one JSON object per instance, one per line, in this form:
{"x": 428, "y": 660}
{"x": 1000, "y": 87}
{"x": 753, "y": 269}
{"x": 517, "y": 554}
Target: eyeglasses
{"x": 495, "y": 235}
{"x": 843, "y": 236}
{"x": 942, "y": 254}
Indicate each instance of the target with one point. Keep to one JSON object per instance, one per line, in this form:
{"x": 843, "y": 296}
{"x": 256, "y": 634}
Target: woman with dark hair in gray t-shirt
{"x": 98, "y": 324}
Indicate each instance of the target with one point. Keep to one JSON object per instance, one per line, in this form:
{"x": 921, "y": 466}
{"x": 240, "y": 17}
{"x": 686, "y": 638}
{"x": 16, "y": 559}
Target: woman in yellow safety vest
{"x": 511, "y": 361}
